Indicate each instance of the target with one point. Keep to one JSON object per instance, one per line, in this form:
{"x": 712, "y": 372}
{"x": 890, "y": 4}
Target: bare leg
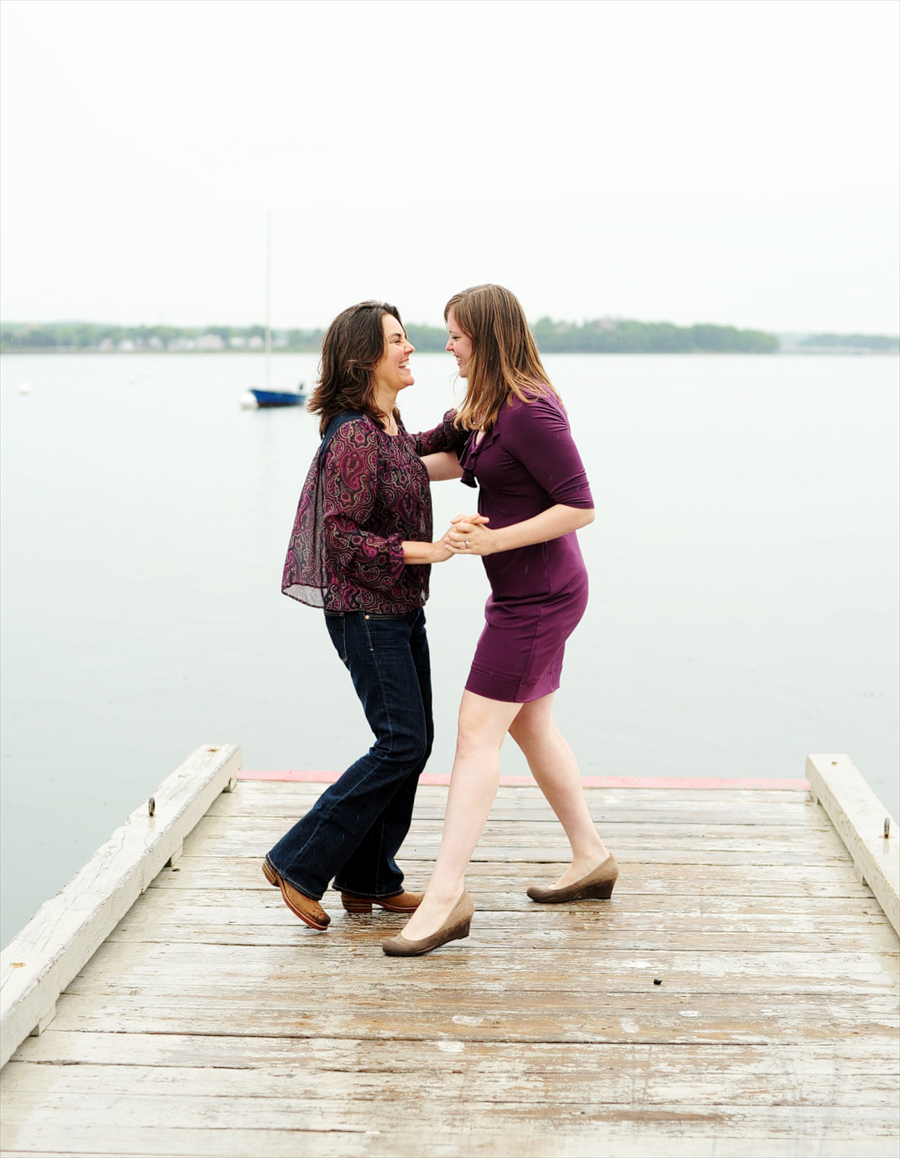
{"x": 483, "y": 725}
{"x": 555, "y": 768}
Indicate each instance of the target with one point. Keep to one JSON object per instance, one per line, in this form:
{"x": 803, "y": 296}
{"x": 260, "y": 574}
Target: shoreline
{"x": 842, "y": 352}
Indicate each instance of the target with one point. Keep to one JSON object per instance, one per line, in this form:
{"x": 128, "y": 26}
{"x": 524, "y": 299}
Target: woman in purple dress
{"x": 361, "y": 550}
{"x": 510, "y": 436}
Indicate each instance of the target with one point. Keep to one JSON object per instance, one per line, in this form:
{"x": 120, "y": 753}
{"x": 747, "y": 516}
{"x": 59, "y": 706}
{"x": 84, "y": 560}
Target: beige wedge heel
{"x": 453, "y": 929}
{"x": 597, "y": 885}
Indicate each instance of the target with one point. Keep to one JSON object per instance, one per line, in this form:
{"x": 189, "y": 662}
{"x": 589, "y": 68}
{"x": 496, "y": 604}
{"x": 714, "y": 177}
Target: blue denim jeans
{"x": 353, "y": 831}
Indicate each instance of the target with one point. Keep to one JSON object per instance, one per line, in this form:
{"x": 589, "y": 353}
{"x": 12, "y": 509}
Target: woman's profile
{"x": 360, "y": 550}
{"x": 512, "y": 438}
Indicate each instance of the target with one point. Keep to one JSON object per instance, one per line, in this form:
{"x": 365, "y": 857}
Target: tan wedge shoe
{"x": 453, "y": 929}
{"x": 598, "y": 884}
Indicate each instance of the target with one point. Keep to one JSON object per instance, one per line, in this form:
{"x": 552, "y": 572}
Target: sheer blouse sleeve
{"x": 349, "y": 484}
{"x": 446, "y": 436}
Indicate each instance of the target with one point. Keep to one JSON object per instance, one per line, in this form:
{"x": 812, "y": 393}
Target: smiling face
{"x": 459, "y": 345}
{"x": 392, "y": 374}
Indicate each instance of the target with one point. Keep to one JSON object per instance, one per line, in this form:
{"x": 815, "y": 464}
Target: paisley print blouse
{"x": 365, "y": 493}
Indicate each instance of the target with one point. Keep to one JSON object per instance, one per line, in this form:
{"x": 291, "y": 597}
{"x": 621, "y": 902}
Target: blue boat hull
{"x": 276, "y": 398}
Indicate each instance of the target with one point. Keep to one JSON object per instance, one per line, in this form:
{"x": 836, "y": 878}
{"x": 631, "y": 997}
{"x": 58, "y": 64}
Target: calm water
{"x": 744, "y": 568}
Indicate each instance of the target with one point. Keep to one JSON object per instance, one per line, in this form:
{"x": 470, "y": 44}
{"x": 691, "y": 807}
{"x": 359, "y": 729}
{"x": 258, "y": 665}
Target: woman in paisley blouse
{"x": 361, "y": 550}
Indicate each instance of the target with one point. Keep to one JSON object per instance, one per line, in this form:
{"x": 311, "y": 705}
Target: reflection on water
{"x": 743, "y": 568}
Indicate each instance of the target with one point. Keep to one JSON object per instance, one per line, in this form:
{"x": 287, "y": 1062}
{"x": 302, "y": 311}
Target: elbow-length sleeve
{"x": 538, "y": 435}
{"x": 349, "y": 484}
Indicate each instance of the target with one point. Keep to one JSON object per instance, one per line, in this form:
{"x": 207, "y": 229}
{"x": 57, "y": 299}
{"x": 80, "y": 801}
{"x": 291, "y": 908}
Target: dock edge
{"x": 38, "y": 964}
{"x": 861, "y": 821}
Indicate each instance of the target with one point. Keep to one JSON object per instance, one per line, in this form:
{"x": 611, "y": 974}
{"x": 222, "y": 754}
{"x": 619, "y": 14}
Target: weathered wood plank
{"x": 38, "y": 963}
{"x": 288, "y": 801}
{"x": 239, "y": 835}
{"x": 864, "y": 824}
{"x": 497, "y": 1121}
{"x": 139, "y": 966}
{"x": 417, "y": 857}
{"x": 613, "y": 982}
{"x": 738, "y": 799}
{"x": 553, "y": 1015}
{"x": 483, "y": 936}
{"x": 599, "y": 1079}
{"x": 638, "y": 878}
{"x": 625, "y": 833}
{"x": 525, "y": 797}
{"x": 507, "y": 894}
{"x": 506, "y": 888}
{"x": 692, "y": 968}
{"x": 250, "y": 916}
{"x": 713, "y": 1138}
{"x": 540, "y": 814}
{"x": 634, "y": 1141}
{"x": 787, "y": 1065}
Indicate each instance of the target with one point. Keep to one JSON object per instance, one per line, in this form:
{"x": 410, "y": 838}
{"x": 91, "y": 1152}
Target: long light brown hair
{"x": 505, "y": 362}
{"x": 352, "y": 348}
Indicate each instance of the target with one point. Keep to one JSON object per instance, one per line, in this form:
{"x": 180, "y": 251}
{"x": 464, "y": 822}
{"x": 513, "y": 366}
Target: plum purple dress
{"x": 524, "y": 465}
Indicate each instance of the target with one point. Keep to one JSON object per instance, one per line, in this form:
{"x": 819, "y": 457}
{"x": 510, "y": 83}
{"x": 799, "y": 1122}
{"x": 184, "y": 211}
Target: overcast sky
{"x": 721, "y": 160}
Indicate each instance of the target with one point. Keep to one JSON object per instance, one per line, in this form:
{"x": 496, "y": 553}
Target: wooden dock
{"x": 738, "y": 996}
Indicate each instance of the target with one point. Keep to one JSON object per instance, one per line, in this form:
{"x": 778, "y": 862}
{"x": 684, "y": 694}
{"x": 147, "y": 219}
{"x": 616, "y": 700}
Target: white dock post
{"x": 38, "y": 964}
{"x": 867, "y": 829}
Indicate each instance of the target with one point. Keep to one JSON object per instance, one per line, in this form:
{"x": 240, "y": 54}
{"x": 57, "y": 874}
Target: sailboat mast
{"x": 268, "y": 293}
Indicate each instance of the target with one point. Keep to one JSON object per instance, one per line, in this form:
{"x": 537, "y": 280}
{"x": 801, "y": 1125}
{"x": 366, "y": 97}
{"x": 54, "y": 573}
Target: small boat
{"x": 253, "y": 398}
{"x": 278, "y": 397}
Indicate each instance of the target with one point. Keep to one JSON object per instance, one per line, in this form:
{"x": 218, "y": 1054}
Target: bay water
{"x": 744, "y": 581}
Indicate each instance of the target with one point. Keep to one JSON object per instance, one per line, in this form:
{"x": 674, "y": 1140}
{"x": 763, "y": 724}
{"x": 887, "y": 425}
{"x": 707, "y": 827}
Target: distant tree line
{"x": 600, "y": 336}
{"x": 615, "y": 336}
{"x": 75, "y": 336}
{"x": 884, "y": 342}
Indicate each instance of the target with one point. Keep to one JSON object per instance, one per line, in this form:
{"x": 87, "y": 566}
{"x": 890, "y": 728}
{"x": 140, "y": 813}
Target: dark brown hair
{"x": 505, "y": 362}
{"x": 352, "y": 348}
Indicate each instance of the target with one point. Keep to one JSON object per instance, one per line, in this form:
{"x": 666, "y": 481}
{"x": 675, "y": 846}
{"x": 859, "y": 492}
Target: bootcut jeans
{"x": 353, "y": 831}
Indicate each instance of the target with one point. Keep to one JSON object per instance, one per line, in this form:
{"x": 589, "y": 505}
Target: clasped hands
{"x": 468, "y": 535}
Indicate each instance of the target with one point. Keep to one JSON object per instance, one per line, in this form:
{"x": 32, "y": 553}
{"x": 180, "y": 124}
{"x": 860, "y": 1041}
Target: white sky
{"x": 718, "y": 160}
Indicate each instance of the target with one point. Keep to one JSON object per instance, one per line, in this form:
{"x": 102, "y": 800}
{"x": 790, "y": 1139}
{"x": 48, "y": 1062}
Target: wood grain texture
{"x": 861, "y": 820}
{"x": 212, "y": 1022}
{"x": 64, "y": 933}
